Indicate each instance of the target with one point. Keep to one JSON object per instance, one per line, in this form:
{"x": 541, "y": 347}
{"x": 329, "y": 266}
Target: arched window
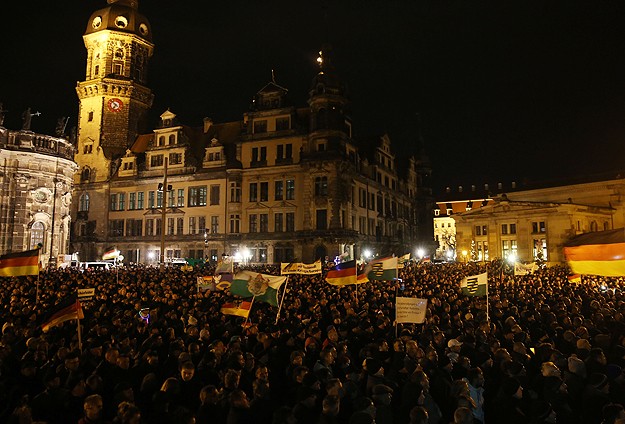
{"x": 593, "y": 226}
{"x": 172, "y": 139}
{"x": 161, "y": 140}
{"x": 37, "y": 232}
{"x": 86, "y": 174}
{"x": 83, "y": 204}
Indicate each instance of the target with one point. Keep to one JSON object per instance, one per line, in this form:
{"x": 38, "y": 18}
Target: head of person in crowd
{"x": 92, "y": 406}
{"x": 549, "y": 369}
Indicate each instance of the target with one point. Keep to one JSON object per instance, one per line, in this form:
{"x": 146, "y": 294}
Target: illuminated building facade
{"x": 283, "y": 183}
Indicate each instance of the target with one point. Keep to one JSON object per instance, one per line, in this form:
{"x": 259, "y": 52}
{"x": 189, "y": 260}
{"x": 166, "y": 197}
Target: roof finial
{"x": 273, "y": 77}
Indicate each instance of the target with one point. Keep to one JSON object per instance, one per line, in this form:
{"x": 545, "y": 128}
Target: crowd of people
{"x": 152, "y": 348}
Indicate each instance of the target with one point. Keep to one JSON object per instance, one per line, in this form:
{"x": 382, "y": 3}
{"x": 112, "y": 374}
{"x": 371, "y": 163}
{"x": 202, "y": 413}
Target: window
{"x": 538, "y": 227}
{"x": 322, "y": 219}
{"x": 83, "y": 203}
{"x": 131, "y": 201}
{"x": 279, "y": 190}
{"x": 260, "y": 127}
{"x": 116, "y": 228}
{"x": 253, "y": 223}
{"x": 264, "y": 222}
{"x": 179, "y": 225}
{"x": 151, "y": 200}
{"x": 180, "y": 197}
{"x": 159, "y": 199}
{"x": 37, "y": 232}
{"x": 278, "y": 223}
{"x": 171, "y": 198}
{"x": 201, "y": 224}
{"x": 235, "y": 223}
{"x": 134, "y": 227}
{"x": 478, "y": 230}
{"x": 156, "y": 160}
{"x": 264, "y": 191}
{"x": 122, "y": 202}
{"x": 149, "y": 227}
{"x": 235, "y": 192}
{"x": 290, "y": 189}
{"x": 172, "y": 140}
{"x": 113, "y": 204}
{"x": 197, "y": 196}
{"x": 175, "y": 158}
{"x": 214, "y": 194}
{"x": 161, "y": 141}
{"x": 290, "y": 221}
{"x": 512, "y": 228}
{"x": 140, "y": 200}
{"x": 321, "y": 186}
{"x": 214, "y": 224}
{"x": 282, "y": 123}
{"x": 484, "y": 230}
{"x": 504, "y": 228}
{"x": 253, "y": 192}
{"x": 192, "y": 228}
{"x": 158, "y": 226}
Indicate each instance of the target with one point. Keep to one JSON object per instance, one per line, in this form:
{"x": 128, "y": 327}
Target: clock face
{"x": 115, "y": 105}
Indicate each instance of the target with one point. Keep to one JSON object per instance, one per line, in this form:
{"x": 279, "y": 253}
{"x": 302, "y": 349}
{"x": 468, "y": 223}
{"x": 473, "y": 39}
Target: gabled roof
{"x": 272, "y": 87}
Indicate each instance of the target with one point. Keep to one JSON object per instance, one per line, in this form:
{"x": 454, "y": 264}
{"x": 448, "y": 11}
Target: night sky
{"x": 503, "y": 90}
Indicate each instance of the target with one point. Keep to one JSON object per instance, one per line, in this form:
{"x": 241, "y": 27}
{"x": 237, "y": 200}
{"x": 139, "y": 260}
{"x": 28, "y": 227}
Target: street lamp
{"x": 464, "y": 256}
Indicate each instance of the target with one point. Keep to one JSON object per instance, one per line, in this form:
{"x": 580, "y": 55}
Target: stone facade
{"x": 36, "y": 181}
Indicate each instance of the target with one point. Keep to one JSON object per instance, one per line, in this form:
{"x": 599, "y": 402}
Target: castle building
{"x": 36, "y": 184}
{"x": 283, "y": 183}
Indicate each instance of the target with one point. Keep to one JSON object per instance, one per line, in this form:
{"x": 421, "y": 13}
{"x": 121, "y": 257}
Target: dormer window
{"x": 161, "y": 141}
{"x": 260, "y": 127}
{"x": 172, "y": 139}
{"x": 282, "y": 124}
{"x": 128, "y": 166}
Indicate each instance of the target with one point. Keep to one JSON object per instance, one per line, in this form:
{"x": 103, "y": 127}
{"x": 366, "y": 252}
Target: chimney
{"x": 208, "y": 122}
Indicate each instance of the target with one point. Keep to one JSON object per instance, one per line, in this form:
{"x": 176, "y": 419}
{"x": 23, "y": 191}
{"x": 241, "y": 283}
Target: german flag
{"x": 21, "y": 263}
{"x": 241, "y": 310}
{"x": 597, "y": 253}
{"x": 67, "y": 310}
{"x": 343, "y": 274}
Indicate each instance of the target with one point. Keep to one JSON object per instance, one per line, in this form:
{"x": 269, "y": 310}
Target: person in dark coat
{"x": 595, "y": 397}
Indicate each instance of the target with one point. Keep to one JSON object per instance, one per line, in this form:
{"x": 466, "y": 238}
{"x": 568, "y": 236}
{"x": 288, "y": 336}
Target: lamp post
{"x": 164, "y": 216}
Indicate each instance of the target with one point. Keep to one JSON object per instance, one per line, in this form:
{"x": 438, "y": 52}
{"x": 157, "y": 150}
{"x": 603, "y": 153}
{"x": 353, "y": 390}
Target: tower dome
{"x": 122, "y": 16}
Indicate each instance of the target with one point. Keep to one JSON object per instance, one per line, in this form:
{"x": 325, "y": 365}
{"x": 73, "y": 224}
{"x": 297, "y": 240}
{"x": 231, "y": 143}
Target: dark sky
{"x": 505, "y": 90}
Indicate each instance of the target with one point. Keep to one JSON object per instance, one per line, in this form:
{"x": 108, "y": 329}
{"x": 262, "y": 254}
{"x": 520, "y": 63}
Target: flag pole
{"x": 78, "y": 308}
{"x": 487, "y": 308}
{"x": 282, "y": 298}
{"x": 250, "y": 311}
{"x": 37, "y": 292}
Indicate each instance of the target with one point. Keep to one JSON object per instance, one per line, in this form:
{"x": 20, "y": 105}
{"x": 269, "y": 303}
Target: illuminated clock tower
{"x": 114, "y": 99}
{"x": 113, "y": 109}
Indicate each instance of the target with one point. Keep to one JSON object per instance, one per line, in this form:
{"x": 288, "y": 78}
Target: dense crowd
{"x": 153, "y": 349}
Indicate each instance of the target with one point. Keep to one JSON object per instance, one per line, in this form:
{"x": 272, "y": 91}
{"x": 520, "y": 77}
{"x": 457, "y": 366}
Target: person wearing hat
{"x": 453, "y": 349}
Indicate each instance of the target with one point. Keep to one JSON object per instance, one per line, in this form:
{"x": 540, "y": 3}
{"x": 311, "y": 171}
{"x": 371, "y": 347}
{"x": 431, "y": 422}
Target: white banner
{"x": 524, "y": 269}
{"x": 410, "y": 309}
